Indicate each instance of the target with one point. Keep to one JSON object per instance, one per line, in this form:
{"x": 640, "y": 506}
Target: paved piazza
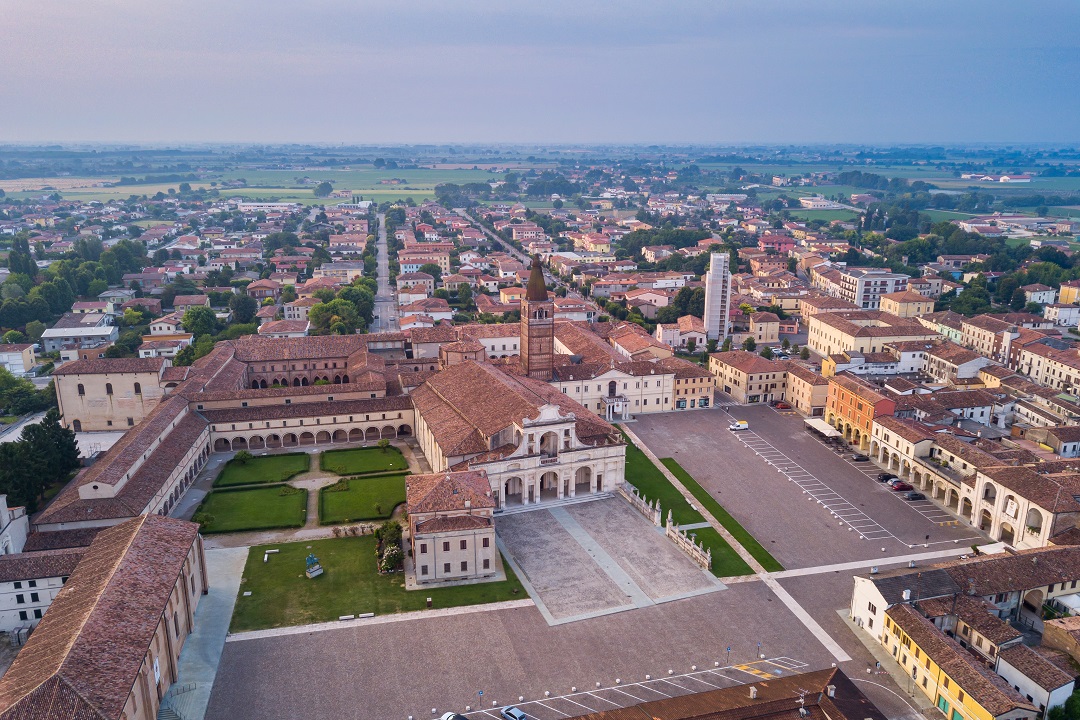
{"x": 597, "y": 557}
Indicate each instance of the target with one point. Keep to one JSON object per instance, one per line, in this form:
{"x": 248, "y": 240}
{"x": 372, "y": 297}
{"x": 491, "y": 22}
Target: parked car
{"x": 512, "y": 713}
{"x": 781, "y": 405}
{"x": 452, "y": 716}
{"x": 900, "y": 486}
{"x": 885, "y": 477}
{"x": 739, "y": 425}
{"x": 914, "y": 496}
{"x": 859, "y": 457}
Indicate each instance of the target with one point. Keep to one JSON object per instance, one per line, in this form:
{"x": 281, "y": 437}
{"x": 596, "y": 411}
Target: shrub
{"x": 242, "y": 457}
{"x": 289, "y": 490}
{"x": 391, "y": 559}
{"x": 202, "y": 519}
{"x": 341, "y": 485}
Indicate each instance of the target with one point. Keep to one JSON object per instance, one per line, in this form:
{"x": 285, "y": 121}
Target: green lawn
{"x": 368, "y": 498}
{"x": 281, "y": 595}
{"x": 260, "y": 508}
{"x": 263, "y": 469}
{"x": 362, "y": 460}
{"x": 723, "y": 517}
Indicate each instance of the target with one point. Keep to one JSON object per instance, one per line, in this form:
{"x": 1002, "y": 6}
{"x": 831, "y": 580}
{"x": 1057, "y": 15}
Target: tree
{"x": 243, "y": 307}
{"x": 465, "y": 296}
{"x": 749, "y": 345}
{"x": 691, "y": 345}
{"x": 786, "y": 344}
{"x": 767, "y": 353}
{"x": 288, "y": 294}
{"x": 242, "y": 457}
{"x": 323, "y": 189}
{"x": 200, "y": 320}
{"x": 746, "y": 308}
{"x": 13, "y": 337}
{"x": 805, "y": 353}
{"x": 35, "y": 329}
{"x": 726, "y": 347}
{"x": 337, "y": 317}
{"x": 433, "y": 270}
{"x": 384, "y": 444}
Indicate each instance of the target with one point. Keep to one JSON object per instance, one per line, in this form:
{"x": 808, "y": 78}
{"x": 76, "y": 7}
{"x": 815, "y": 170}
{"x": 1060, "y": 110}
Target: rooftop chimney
{"x": 830, "y": 690}
{"x": 753, "y": 693}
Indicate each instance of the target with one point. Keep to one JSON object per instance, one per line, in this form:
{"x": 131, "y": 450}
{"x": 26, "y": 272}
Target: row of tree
{"x": 44, "y": 455}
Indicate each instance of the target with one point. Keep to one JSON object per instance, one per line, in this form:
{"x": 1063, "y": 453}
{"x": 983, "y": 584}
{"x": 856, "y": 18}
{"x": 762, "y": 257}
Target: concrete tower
{"x": 537, "y": 327}
{"x": 718, "y": 298}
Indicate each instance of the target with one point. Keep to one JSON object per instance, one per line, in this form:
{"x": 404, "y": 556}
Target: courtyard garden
{"x": 252, "y": 508}
{"x": 360, "y": 461}
{"x": 282, "y": 595}
{"x": 367, "y": 497}
{"x": 245, "y": 469}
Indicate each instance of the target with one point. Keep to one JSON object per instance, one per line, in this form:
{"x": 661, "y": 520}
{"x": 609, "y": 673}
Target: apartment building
{"x": 865, "y": 286}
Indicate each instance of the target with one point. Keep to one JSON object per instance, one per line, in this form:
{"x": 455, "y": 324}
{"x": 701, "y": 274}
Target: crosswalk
{"x": 844, "y": 511}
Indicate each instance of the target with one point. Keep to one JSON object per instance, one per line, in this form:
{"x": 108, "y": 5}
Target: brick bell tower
{"x": 537, "y": 327}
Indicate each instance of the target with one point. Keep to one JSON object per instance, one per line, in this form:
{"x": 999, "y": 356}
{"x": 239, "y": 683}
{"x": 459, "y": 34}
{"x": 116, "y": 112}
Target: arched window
{"x": 82, "y": 390}
{"x": 108, "y": 388}
{"x": 138, "y": 388}
{"x": 76, "y": 425}
{"x": 176, "y": 623}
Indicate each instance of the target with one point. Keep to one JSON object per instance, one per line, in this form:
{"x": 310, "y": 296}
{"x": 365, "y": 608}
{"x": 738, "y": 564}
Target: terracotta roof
{"x": 252, "y": 348}
{"x": 84, "y": 657}
{"x": 1025, "y": 570}
{"x": 748, "y": 362}
{"x": 1044, "y": 673}
{"x": 41, "y": 564}
{"x": 307, "y": 409}
{"x": 909, "y": 430}
{"x": 106, "y": 366}
{"x": 455, "y": 523}
{"x": 448, "y": 491}
{"x": 60, "y": 539}
{"x": 974, "y": 612}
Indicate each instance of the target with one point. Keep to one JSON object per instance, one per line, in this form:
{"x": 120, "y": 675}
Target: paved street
{"x": 385, "y": 300}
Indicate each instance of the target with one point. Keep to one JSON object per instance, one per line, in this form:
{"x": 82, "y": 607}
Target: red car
{"x": 780, "y": 405}
{"x": 899, "y": 486}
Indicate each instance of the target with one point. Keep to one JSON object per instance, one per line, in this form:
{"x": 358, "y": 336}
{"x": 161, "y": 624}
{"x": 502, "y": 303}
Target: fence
{"x": 651, "y": 510}
{"x": 698, "y": 553}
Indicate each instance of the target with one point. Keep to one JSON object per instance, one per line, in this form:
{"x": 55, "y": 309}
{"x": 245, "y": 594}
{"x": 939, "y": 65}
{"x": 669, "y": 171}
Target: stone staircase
{"x": 548, "y": 504}
{"x": 173, "y": 705}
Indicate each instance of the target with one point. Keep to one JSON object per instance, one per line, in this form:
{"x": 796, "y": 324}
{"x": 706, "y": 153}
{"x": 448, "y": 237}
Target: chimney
{"x": 907, "y": 594}
{"x": 468, "y": 504}
{"x": 830, "y": 690}
{"x": 753, "y": 693}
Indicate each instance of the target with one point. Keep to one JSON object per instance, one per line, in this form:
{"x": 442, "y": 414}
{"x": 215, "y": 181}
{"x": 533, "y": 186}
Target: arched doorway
{"x": 986, "y": 520}
{"x": 583, "y": 481}
{"x": 1034, "y": 522}
{"x": 388, "y": 432}
{"x": 549, "y": 486}
{"x": 290, "y": 440}
{"x": 356, "y": 435}
{"x": 512, "y": 491}
{"x": 1007, "y": 535}
{"x": 222, "y": 445}
{"x": 1033, "y": 601}
{"x": 307, "y": 438}
{"x": 76, "y": 425}
{"x": 256, "y": 443}
{"x": 273, "y": 441}
{"x": 953, "y": 500}
{"x": 549, "y": 444}
{"x": 371, "y": 434}
{"x": 322, "y": 438}
{"x": 404, "y": 431}
{"x": 989, "y": 493}
{"x": 239, "y": 443}
{"x": 340, "y": 436}
{"x": 965, "y": 509}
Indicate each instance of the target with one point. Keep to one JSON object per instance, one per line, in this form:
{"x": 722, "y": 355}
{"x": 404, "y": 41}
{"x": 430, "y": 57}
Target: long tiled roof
{"x": 84, "y": 657}
{"x": 252, "y": 348}
{"x": 107, "y": 366}
{"x": 307, "y": 409}
{"x": 41, "y": 564}
{"x": 448, "y": 491}
{"x": 985, "y": 687}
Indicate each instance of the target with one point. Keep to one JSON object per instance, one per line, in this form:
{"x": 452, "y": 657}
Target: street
{"x": 386, "y": 315}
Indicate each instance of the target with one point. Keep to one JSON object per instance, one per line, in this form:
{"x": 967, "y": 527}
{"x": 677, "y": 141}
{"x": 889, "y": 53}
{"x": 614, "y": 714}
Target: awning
{"x": 819, "y": 425}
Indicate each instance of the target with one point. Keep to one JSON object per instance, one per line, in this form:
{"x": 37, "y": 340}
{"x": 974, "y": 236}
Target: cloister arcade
{"x": 526, "y": 489}
{"x": 185, "y": 481}
{"x": 272, "y": 439}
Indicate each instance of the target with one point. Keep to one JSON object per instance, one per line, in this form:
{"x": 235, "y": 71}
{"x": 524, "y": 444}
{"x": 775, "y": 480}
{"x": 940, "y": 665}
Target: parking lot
{"x": 805, "y": 502}
{"x": 592, "y": 558}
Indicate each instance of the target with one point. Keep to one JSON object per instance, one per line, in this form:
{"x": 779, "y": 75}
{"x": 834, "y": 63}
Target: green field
{"x": 723, "y": 517}
{"x": 261, "y": 508}
{"x": 942, "y": 215}
{"x": 362, "y": 460}
{"x": 263, "y": 469}
{"x": 650, "y": 482}
{"x": 281, "y": 595}
{"x": 367, "y": 498}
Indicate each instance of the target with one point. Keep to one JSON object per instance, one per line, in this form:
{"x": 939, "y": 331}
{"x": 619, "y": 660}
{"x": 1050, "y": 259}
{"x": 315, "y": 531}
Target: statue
{"x": 314, "y": 569}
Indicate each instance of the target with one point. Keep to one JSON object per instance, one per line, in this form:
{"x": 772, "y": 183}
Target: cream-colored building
{"x": 765, "y": 328}
{"x": 451, "y": 526}
{"x": 866, "y": 331}
{"x": 748, "y": 378}
{"x": 807, "y": 391}
{"x": 534, "y": 442}
{"x": 108, "y": 394}
{"x": 907, "y": 304}
{"x": 109, "y": 647}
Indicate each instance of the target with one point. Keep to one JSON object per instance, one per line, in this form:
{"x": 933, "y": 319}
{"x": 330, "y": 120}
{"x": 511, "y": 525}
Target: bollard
{"x": 573, "y": 689}
{"x": 618, "y": 681}
{"x": 648, "y": 677}
{"x": 547, "y": 694}
{"x": 597, "y": 684}
{"x": 693, "y": 667}
{"x": 716, "y": 664}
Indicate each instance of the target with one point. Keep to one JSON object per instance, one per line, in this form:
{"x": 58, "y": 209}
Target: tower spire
{"x": 536, "y": 290}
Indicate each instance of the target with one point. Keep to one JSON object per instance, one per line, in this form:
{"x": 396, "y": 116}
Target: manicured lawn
{"x": 723, "y": 517}
{"x": 281, "y": 595}
{"x": 263, "y": 469}
{"x": 647, "y": 478}
{"x": 362, "y": 460}
{"x": 368, "y": 498}
{"x": 260, "y": 508}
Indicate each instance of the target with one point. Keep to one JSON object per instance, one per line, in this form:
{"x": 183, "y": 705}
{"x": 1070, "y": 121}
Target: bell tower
{"x": 537, "y": 327}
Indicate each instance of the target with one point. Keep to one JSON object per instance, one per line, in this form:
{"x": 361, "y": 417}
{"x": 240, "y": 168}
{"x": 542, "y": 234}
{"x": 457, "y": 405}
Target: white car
{"x": 739, "y": 425}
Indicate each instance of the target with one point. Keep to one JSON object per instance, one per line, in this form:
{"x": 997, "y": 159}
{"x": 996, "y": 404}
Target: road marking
{"x": 811, "y": 624}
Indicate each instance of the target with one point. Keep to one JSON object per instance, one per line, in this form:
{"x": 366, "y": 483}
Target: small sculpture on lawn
{"x": 314, "y": 569}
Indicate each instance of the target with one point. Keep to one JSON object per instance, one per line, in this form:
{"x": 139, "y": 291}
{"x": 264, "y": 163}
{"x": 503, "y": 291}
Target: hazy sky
{"x": 559, "y": 71}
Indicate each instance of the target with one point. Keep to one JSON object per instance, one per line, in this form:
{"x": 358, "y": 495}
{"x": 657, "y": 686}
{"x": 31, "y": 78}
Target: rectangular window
{"x": 446, "y": 547}
{"x": 423, "y": 569}
{"x": 487, "y": 564}
{"x": 37, "y": 614}
{"x": 464, "y": 544}
{"x": 446, "y": 567}
{"x": 464, "y": 566}
{"x": 34, "y": 597}
{"x": 23, "y": 615}
{"x": 423, "y": 548}
{"x": 20, "y": 599}
{"x": 487, "y": 542}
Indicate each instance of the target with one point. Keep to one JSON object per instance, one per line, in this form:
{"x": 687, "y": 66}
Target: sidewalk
{"x": 202, "y": 650}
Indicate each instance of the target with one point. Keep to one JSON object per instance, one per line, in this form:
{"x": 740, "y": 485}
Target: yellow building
{"x": 108, "y": 394}
{"x": 1069, "y": 292}
{"x": 957, "y": 683}
{"x": 807, "y": 391}
{"x": 866, "y": 331}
